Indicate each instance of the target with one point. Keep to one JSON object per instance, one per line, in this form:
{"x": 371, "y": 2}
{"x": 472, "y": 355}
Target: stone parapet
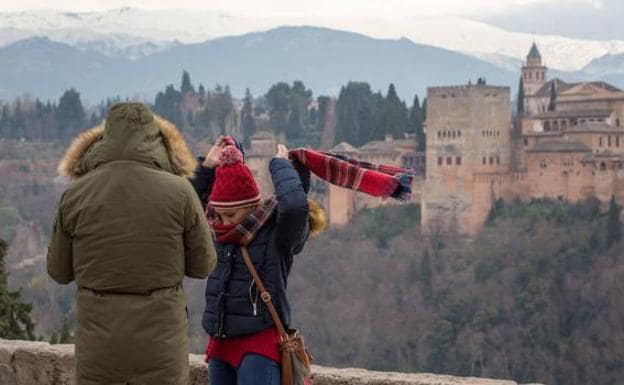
{"x": 39, "y": 363}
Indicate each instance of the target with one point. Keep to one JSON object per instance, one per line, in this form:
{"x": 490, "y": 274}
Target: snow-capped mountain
{"x": 136, "y": 32}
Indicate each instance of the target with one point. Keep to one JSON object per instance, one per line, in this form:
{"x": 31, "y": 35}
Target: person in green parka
{"x": 127, "y": 230}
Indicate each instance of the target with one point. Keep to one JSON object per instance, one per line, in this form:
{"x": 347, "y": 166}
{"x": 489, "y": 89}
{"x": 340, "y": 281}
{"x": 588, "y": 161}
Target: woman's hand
{"x": 282, "y": 151}
{"x": 212, "y": 157}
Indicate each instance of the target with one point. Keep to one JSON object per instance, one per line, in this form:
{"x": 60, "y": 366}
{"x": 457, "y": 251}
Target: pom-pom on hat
{"x": 234, "y": 186}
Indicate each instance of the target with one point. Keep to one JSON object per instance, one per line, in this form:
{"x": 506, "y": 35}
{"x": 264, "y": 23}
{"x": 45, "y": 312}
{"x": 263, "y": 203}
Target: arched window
{"x": 458, "y": 160}
{"x": 449, "y": 160}
{"x": 439, "y": 134}
{"x": 497, "y": 159}
{"x": 609, "y": 141}
{"x": 603, "y": 166}
{"x": 459, "y": 133}
{"x": 564, "y": 125}
{"x": 491, "y": 160}
{"x": 546, "y": 126}
{"x": 600, "y": 141}
{"x": 439, "y": 161}
{"x": 484, "y": 160}
{"x": 555, "y": 125}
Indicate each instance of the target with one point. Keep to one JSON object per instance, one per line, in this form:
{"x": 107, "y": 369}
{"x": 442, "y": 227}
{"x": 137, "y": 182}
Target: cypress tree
{"x": 65, "y": 332}
{"x": 186, "y": 86}
{"x": 553, "y": 97}
{"x": 614, "y": 226}
{"x": 416, "y": 124}
{"x": 521, "y": 97}
{"x": 15, "y": 321}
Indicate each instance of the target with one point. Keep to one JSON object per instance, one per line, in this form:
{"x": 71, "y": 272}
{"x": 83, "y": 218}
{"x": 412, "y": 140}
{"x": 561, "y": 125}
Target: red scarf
{"x": 377, "y": 180}
{"x": 244, "y": 232}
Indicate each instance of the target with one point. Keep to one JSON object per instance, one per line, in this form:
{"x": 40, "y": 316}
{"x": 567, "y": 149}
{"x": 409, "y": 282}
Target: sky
{"x": 389, "y": 9}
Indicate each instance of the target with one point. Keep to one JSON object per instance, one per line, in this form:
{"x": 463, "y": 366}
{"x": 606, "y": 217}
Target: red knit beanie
{"x": 234, "y": 186}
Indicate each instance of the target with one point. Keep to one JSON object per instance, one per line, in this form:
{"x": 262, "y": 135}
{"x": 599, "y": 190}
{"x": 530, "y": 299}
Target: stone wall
{"x": 39, "y": 363}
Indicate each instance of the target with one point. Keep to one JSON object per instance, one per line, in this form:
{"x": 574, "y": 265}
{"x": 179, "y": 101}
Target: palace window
{"x": 484, "y": 160}
{"x": 497, "y": 159}
{"x": 600, "y": 141}
{"x": 449, "y": 160}
{"x": 609, "y": 141}
{"x": 617, "y": 122}
{"x": 458, "y": 160}
{"x": 491, "y": 160}
{"x": 439, "y": 161}
{"x": 546, "y": 126}
{"x": 542, "y": 163}
{"x": 526, "y": 142}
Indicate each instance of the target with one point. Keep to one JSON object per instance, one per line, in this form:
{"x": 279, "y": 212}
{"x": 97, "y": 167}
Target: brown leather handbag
{"x": 296, "y": 361}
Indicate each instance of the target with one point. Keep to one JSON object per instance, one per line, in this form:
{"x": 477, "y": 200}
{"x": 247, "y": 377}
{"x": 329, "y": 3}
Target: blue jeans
{"x": 253, "y": 370}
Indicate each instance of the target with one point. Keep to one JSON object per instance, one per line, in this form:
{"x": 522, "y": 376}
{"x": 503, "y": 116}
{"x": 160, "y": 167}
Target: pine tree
{"x": 186, "y": 86}
{"x": 248, "y": 124}
{"x": 391, "y": 115}
{"x": 15, "y": 321}
{"x": 277, "y": 99}
{"x": 70, "y": 114}
{"x": 521, "y": 97}
{"x": 614, "y": 226}
{"x": 167, "y": 104}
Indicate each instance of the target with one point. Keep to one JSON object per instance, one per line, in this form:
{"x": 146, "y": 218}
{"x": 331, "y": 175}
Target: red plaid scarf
{"x": 377, "y": 180}
{"x": 244, "y": 232}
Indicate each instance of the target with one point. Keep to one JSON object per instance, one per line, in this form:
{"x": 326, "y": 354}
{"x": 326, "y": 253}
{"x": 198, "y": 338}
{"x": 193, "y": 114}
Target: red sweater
{"x": 232, "y": 350}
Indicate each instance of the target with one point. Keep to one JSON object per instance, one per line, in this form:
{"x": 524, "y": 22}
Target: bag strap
{"x": 264, "y": 294}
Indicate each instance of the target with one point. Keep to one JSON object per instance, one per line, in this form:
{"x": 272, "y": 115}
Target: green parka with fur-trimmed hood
{"x": 127, "y": 230}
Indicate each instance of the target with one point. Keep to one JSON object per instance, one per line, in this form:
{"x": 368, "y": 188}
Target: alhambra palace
{"x": 565, "y": 142}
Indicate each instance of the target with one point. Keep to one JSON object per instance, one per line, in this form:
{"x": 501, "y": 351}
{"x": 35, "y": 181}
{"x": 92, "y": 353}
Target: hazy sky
{"x": 323, "y": 8}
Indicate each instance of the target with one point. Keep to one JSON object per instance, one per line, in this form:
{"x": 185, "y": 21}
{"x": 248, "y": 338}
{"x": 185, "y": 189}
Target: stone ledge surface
{"x": 39, "y": 363}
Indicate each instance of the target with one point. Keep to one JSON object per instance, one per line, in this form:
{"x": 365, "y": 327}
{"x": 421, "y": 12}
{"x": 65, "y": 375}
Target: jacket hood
{"x": 130, "y": 132}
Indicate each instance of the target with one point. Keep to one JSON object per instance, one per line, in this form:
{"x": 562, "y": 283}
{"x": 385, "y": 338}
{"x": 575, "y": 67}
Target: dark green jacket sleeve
{"x": 60, "y": 257}
{"x": 199, "y": 252}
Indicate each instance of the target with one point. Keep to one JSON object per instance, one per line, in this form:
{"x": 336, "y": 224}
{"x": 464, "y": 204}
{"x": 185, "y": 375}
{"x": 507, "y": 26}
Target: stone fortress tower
{"x": 468, "y": 134}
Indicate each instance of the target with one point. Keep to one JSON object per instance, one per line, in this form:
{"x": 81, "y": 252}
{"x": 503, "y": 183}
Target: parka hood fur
{"x": 182, "y": 161}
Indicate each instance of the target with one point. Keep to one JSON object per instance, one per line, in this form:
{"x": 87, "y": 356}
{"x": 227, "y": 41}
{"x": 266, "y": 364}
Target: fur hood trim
{"x": 182, "y": 160}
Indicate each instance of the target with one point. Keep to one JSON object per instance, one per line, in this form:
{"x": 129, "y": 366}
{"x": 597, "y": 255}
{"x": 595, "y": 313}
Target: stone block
{"x": 44, "y": 364}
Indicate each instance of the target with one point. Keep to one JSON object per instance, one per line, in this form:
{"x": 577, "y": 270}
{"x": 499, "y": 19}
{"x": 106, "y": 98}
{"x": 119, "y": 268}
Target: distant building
{"x": 567, "y": 145}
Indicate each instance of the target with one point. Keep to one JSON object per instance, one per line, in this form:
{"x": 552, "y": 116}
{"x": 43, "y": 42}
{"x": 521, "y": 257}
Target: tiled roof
{"x": 593, "y": 113}
{"x": 559, "y": 146}
{"x": 534, "y": 52}
{"x": 595, "y": 127}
